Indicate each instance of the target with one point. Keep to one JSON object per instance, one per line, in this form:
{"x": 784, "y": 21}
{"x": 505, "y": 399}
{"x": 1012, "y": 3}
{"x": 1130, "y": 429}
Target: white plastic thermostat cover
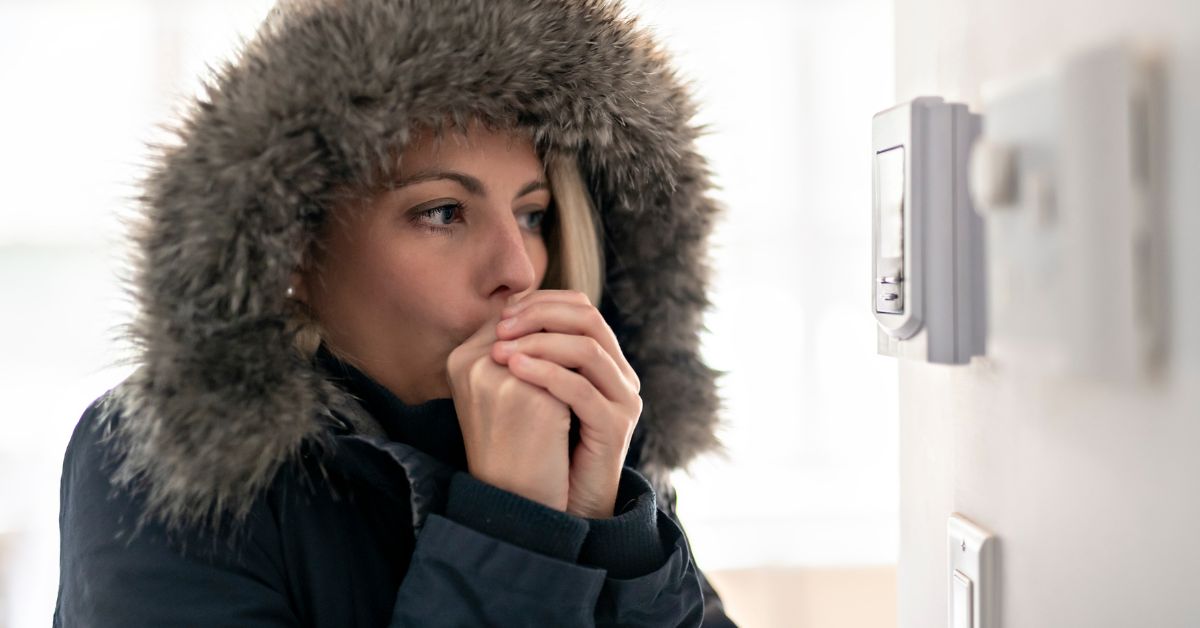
{"x": 971, "y": 583}
{"x": 927, "y": 275}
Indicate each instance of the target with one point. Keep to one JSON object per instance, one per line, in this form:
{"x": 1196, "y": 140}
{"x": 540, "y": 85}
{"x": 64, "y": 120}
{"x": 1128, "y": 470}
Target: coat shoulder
{"x": 91, "y": 477}
{"x": 120, "y": 567}
{"x": 308, "y": 534}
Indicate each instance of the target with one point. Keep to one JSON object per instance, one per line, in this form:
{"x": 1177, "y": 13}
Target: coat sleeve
{"x": 471, "y": 570}
{"x": 495, "y": 558}
{"x": 110, "y": 577}
{"x": 714, "y": 608}
{"x": 670, "y": 595}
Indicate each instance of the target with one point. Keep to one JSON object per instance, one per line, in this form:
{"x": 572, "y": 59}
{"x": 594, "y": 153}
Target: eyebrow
{"x": 470, "y": 183}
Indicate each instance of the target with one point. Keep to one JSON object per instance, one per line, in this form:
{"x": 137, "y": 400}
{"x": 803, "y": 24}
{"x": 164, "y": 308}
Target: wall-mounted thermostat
{"x": 1070, "y": 177}
{"x": 927, "y": 289}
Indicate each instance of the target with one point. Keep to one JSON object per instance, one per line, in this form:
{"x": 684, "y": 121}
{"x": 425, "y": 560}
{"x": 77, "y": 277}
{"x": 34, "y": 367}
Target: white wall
{"x": 1094, "y": 491}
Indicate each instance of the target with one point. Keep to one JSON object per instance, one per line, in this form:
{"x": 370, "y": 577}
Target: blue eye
{"x": 541, "y": 218}
{"x": 442, "y": 211}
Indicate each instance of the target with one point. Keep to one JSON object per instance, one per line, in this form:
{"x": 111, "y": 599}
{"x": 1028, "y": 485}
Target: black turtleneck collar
{"x": 431, "y": 426}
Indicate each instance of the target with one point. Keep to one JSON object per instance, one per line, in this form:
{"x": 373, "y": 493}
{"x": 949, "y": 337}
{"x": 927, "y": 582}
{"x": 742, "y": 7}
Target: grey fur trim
{"x": 315, "y": 102}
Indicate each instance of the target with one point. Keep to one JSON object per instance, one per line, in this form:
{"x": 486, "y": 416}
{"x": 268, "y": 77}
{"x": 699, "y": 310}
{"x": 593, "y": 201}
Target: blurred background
{"x": 798, "y": 526}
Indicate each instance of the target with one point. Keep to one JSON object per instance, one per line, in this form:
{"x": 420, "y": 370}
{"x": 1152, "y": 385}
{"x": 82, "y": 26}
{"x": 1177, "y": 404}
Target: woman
{"x": 329, "y": 425}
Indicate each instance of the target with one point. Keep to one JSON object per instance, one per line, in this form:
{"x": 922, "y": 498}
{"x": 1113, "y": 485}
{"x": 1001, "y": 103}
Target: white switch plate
{"x": 972, "y": 571}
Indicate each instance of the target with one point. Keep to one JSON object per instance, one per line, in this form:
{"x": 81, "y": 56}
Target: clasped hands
{"x": 515, "y": 383}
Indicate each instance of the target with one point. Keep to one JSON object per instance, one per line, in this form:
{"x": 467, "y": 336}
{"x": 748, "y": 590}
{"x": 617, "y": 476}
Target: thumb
{"x": 486, "y": 332}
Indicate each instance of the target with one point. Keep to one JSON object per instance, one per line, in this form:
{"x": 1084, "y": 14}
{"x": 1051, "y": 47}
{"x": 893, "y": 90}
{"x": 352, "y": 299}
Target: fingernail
{"x": 506, "y": 348}
{"x": 508, "y": 323}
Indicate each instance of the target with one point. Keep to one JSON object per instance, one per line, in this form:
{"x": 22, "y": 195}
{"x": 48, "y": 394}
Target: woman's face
{"x": 403, "y": 279}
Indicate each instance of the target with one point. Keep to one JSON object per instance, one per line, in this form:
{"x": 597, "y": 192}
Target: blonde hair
{"x": 574, "y": 246}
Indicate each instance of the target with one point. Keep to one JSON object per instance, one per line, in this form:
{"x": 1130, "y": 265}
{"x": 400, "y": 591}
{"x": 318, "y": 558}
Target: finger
{"x": 567, "y": 386}
{"x": 568, "y": 318}
{"x": 575, "y": 352}
{"x": 484, "y": 333}
{"x": 542, "y": 296}
{"x": 603, "y": 423}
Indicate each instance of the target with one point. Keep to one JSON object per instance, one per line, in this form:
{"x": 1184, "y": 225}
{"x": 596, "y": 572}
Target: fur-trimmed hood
{"x": 319, "y": 98}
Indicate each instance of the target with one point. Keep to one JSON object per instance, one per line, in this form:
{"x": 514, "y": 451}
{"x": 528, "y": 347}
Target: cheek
{"x": 403, "y": 283}
{"x": 422, "y": 290}
{"x": 404, "y": 289}
{"x": 366, "y": 284}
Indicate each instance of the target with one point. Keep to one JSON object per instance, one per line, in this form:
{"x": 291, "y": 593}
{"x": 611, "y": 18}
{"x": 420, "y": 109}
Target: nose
{"x": 512, "y": 268}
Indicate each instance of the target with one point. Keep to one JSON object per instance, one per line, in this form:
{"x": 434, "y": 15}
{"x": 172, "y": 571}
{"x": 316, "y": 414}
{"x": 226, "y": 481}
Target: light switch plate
{"x": 972, "y": 573}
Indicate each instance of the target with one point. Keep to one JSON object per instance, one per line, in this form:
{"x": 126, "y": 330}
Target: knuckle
{"x": 508, "y": 386}
{"x": 478, "y": 369}
{"x": 547, "y": 407}
{"x": 581, "y": 387}
{"x": 594, "y": 350}
{"x": 542, "y": 400}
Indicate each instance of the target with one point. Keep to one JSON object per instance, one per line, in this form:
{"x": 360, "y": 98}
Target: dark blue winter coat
{"x": 396, "y": 534}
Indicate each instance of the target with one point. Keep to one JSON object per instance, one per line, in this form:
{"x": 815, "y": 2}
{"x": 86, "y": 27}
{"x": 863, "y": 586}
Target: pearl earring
{"x": 290, "y": 292}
